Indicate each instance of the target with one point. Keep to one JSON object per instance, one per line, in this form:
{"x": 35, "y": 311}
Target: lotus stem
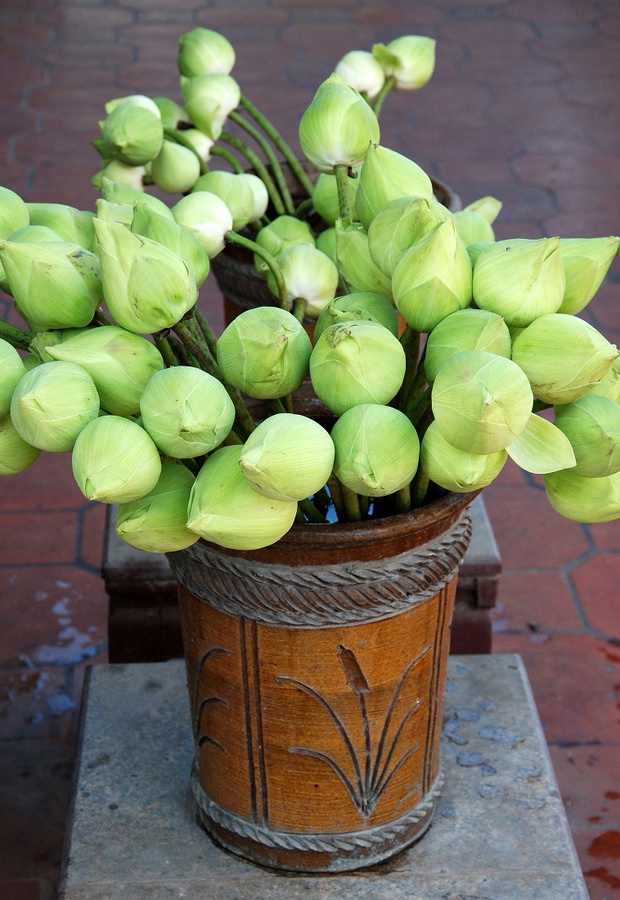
{"x": 165, "y": 348}
{"x": 259, "y": 167}
{"x": 276, "y": 168}
{"x": 208, "y": 333}
{"x": 311, "y": 512}
{"x": 403, "y": 499}
{"x": 17, "y": 337}
{"x": 351, "y": 504}
{"x": 335, "y": 491}
{"x": 388, "y": 84}
{"x": 300, "y": 304}
{"x": 344, "y": 199}
{"x": 229, "y": 157}
{"x": 233, "y": 238}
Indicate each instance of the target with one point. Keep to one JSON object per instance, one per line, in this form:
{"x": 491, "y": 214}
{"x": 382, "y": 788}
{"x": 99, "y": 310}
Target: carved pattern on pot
{"x": 370, "y": 779}
{"x": 199, "y": 707}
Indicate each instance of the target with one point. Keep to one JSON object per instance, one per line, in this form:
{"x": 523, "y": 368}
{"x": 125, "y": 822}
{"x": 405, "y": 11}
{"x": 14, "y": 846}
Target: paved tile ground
{"x": 524, "y": 106}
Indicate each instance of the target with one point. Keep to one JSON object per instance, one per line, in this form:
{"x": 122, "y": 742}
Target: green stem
{"x": 335, "y": 492}
{"x": 16, "y": 337}
{"x": 388, "y": 84}
{"x": 101, "y": 319}
{"x": 165, "y": 348}
{"x": 229, "y": 157}
{"x": 259, "y": 167}
{"x": 300, "y": 305}
{"x": 419, "y": 487}
{"x": 410, "y": 342}
{"x": 207, "y": 332}
{"x": 233, "y": 238}
{"x": 351, "y": 504}
{"x": 305, "y": 207}
{"x": 419, "y": 410}
{"x": 178, "y": 138}
{"x": 311, "y": 512}
{"x": 403, "y": 499}
{"x": 280, "y": 143}
{"x": 344, "y": 198}
{"x": 276, "y": 168}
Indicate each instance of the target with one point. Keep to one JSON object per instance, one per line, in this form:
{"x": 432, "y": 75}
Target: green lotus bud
{"x": 541, "y": 447}
{"x": 11, "y": 370}
{"x": 481, "y": 401}
{"x": 209, "y": 100}
{"x": 487, "y": 207}
{"x": 147, "y": 222}
{"x": 186, "y": 411}
{"x": 175, "y": 169}
{"x": 354, "y": 262}
{"x": 309, "y": 275}
{"x": 16, "y": 454}
{"x": 207, "y": 217}
{"x": 115, "y": 461}
{"x": 119, "y": 193}
{"x": 337, "y": 127}
{"x": 120, "y": 173}
{"x": 362, "y": 71}
{"x": 200, "y": 142}
{"x": 233, "y": 190}
{"x": 43, "y": 340}
{"x": 287, "y": 457}
{"x": 398, "y": 226}
{"x": 520, "y": 280}
{"x": 73, "y": 225}
{"x": 147, "y": 287}
{"x": 265, "y": 352}
{"x": 172, "y": 115}
{"x": 157, "y": 522}
{"x": 563, "y": 357}
{"x": 586, "y": 261}
{"x": 466, "y": 329}
{"x": 410, "y": 60}
{"x": 35, "y": 234}
{"x": 326, "y": 243}
{"x": 30, "y": 361}
{"x": 360, "y": 305}
{"x": 325, "y": 195}
{"x": 592, "y": 425}
{"x": 52, "y": 404}
{"x": 279, "y": 235}
{"x": 119, "y": 362}
{"x": 259, "y": 194}
{"x": 140, "y": 100}
{"x": 433, "y": 278}
{"x": 387, "y": 175}
{"x": 122, "y": 213}
{"x": 454, "y": 469}
{"x": 204, "y": 52}
{"x": 472, "y": 228}
{"x": 609, "y": 385}
{"x": 584, "y": 499}
{"x": 13, "y": 212}
{"x": 359, "y": 362}
{"x": 55, "y": 285}
{"x": 377, "y": 450}
{"x": 225, "y": 509}
{"x": 133, "y": 134}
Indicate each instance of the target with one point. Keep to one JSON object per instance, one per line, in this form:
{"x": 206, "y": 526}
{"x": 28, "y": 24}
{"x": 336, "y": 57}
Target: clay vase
{"x": 316, "y": 671}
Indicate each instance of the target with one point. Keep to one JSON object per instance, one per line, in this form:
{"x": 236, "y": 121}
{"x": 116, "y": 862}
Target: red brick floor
{"x": 523, "y": 105}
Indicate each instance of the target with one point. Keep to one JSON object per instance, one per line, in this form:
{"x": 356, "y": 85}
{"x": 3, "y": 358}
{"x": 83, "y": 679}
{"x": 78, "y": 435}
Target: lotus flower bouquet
{"x": 434, "y": 353}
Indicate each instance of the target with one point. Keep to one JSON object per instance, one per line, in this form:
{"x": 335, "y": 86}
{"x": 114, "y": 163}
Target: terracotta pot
{"x": 316, "y": 671}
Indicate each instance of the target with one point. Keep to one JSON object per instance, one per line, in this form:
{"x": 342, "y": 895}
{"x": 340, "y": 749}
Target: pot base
{"x": 314, "y": 853}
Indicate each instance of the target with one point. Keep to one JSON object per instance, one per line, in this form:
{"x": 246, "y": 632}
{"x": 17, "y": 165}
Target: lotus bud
{"x": 147, "y": 222}
{"x": 186, "y": 411}
{"x": 115, "y": 461}
{"x": 32, "y": 234}
{"x": 279, "y": 235}
{"x": 200, "y": 143}
{"x": 204, "y": 52}
{"x": 147, "y": 287}
{"x": 520, "y": 280}
{"x": 43, "y": 340}
{"x": 16, "y": 454}
{"x": 207, "y": 217}
{"x": 11, "y": 371}
{"x": 52, "y": 404}
{"x": 326, "y": 243}
{"x": 410, "y": 60}
{"x": 360, "y": 305}
{"x": 385, "y": 176}
{"x": 433, "y": 278}
{"x": 119, "y": 193}
{"x": 584, "y": 499}
{"x": 337, "y": 127}
{"x": 13, "y": 212}
{"x": 541, "y": 447}
{"x": 233, "y": 190}
{"x": 121, "y": 213}
{"x": 309, "y": 275}
{"x": 175, "y": 169}
{"x": 55, "y": 285}
{"x": 73, "y": 225}
{"x": 225, "y": 509}
{"x": 354, "y": 262}
{"x": 140, "y": 100}
{"x": 209, "y": 100}
{"x": 377, "y": 450}
{"x": 119, "y": 362}
{"x": 563, "y": 357}
{"x": 264, "y": 352}
{"x": 325, "y": 195}
{"x": 398, "y": 226}
{"x": 487, "y": 207}
{"x": 133, "y": 134}
{"x": 592, "y": 425}
{"x": 361, "y": 70}
{"x": 466, "y": 329}
{"x": 474, "y": 250}
{"x": 157, "y": 522}
{"x": 118, "y": 172}
{"x": 359, "y": 362}
{"x": 454, "y": 469}
{"x": 172, "y": 115}
{"x": 259, "y": 193}
{"x": 609, "y": 385}
{"x": 287, "y": 457}
{"x": 473, "y": 228}
{"x": 481, "y": 402}
{"x": 586, "y": 261}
